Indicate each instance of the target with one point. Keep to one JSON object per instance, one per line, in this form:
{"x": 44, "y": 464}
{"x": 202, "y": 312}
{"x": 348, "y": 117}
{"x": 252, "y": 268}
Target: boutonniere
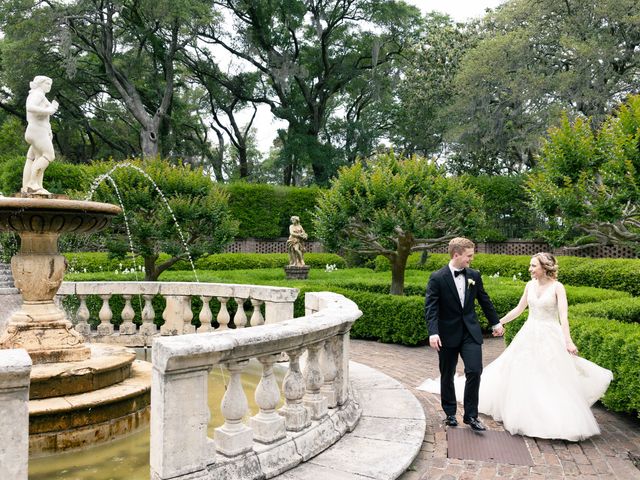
{"x": 470, "y": 282}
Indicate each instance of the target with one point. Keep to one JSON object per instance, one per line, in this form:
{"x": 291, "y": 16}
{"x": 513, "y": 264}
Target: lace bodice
{"x": 542, "y": 306}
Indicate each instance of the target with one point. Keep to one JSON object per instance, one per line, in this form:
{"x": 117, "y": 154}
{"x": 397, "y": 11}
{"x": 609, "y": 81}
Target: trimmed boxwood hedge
{"x": 396, "y": 319}
{"x": 616, "y": 346}
{"x": 626, "y": 310}
{"x": 101, "y": 262}
{"x": 615, "y": 274}
{"x": 264, "y": 210}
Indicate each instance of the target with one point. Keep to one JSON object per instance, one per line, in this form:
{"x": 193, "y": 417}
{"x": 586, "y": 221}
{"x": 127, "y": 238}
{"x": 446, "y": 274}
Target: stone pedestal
{"x": 294, "y": 272}
{"x": 39, "y": 326}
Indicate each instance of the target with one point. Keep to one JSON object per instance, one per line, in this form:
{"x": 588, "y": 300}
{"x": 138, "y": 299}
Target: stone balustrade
{"x": 275, "y": 302}
{"x": 318, "y": 408}
{"x": 15, "y": 368}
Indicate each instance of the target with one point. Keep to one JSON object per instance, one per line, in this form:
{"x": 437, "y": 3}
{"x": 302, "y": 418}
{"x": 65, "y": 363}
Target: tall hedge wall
{"x": 264, "y": 210}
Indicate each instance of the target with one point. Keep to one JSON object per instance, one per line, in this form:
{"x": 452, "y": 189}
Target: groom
{"x": 454, "y": 329}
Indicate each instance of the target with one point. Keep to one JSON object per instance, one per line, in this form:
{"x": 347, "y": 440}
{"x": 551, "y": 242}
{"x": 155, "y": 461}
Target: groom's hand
{"x": 434, "y": 341}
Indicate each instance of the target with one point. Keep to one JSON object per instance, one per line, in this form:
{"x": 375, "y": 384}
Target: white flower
{"x": 330, "y": 267}
{"x": 84, "y": 270}
{"x": 470, "y": 282}
{"x": 515, "y": 278}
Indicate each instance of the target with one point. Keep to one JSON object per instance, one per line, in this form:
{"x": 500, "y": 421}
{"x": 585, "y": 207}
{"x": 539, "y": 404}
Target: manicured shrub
{"x": 264, "y": 210}
{"x": 386, "y": 318}
{"x": 615, "y": 274}
{"x": 242, "y": 261}
{"x": 626, "y": 310}
{"x": 616, "y": 346}
{"x": 101, "y": 262}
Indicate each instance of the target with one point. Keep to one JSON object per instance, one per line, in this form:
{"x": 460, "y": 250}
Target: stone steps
{"x": 74, "y": 421}
{"x": 108, "y": 365}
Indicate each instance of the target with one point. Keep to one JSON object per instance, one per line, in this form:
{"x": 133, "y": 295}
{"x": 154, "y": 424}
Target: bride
{"x": 538, "y": 386}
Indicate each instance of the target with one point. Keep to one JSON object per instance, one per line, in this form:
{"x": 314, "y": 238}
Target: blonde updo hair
{"x": 548, "y": 263}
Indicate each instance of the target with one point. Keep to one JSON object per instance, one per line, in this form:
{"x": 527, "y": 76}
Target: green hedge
{"x": 626, "y": 310}
{"x": 396, "y": 319}
{"x": 264, "y": 210}
{"x": 92, "y": 262}
{"x": 616, "y": 346}
{"x": 615, "y": 274}
{"x": 242, "y": 261}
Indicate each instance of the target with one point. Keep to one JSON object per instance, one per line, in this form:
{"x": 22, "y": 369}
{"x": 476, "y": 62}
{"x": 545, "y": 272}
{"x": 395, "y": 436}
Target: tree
{"x": 588, "y": 182}
{"x": 200, "y": 208}
{"x": 393, "y": 206}
{"x": 307, "y": 52}
{"x": 122, "y": 50}
{"x": 418, "y": 117}
{"x": 535, "y": 59}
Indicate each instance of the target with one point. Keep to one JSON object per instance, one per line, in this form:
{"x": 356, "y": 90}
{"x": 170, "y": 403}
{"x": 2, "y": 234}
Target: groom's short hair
{"x": 459, "y": 245}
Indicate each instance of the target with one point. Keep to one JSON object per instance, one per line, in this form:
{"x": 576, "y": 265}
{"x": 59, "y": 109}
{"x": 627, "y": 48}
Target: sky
{"x": 459, "y": 10}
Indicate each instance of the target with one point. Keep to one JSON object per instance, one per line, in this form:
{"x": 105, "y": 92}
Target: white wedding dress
{"x": 535, "y": 387}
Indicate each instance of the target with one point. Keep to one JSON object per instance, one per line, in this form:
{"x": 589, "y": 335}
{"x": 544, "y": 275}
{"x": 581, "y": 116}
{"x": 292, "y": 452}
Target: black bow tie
{"x": 458, "y": 272}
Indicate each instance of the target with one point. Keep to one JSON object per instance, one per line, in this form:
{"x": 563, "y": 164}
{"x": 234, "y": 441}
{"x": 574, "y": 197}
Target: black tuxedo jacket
{"x": 445, "y": 315}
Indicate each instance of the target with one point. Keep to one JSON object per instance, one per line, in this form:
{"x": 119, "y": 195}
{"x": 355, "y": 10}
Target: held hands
{"x": 498, "y": 330}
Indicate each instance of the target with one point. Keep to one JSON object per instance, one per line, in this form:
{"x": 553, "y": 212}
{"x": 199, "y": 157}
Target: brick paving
{"x": 610, "y": 455}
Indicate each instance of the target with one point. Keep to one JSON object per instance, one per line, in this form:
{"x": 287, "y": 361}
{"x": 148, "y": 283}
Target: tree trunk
{"x": 149, "y": 142}
{"x": 150, "y": 271}
{"x": 398, "y": 266}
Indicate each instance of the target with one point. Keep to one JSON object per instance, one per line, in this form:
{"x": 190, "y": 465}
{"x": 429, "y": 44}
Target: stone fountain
{"x": 79, "y": 394}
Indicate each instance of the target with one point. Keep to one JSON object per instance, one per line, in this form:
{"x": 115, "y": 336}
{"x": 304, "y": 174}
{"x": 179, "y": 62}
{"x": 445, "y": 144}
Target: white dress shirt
{"x": 459, "y": 281}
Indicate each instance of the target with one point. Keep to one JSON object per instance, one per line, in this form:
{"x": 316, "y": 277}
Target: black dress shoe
{"x": 451, "y": 421}
{"x": 475, "y": 424}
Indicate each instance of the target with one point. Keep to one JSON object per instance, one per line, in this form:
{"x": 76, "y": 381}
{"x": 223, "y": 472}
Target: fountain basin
{"x": 54, "y": 215}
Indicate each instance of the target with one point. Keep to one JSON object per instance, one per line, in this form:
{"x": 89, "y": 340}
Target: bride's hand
{"x": 571, "y": 348}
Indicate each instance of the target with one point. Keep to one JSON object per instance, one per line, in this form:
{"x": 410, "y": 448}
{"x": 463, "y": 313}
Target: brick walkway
{"x": 608, "y": 456}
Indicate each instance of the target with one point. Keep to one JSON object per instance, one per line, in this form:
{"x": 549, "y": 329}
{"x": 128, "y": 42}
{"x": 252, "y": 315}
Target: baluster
{"x": 240, "y": 317}
{"x": 205, "y": 316}
{"x": 127, "y": 327}
{"x": 267, "y": 425}
{"x": 328, "y": 366}
{"x": 223, "y": 315}
{"x": 187, "y": 316}
{"x": 314, "y": 379}
{"x": 83, "y": 315}
{"x": 148, "y": 316}
{"x": 234, "y": 438}
{"x": 174, "y": 315}
{"x": 256, "y": 316}
{"x": 105, "y": 315}
{"x": 341, "y": 355}
{"x": 295, "y": 414}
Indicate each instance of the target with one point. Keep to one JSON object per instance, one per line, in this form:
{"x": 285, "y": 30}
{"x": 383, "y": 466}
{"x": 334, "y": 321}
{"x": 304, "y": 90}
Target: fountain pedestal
{"x": 39, "y": 326}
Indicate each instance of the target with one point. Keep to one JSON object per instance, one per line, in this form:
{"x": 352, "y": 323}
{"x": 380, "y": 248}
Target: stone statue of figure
{"x": 295, "y": 243}
{"x": 38, "y": 135}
